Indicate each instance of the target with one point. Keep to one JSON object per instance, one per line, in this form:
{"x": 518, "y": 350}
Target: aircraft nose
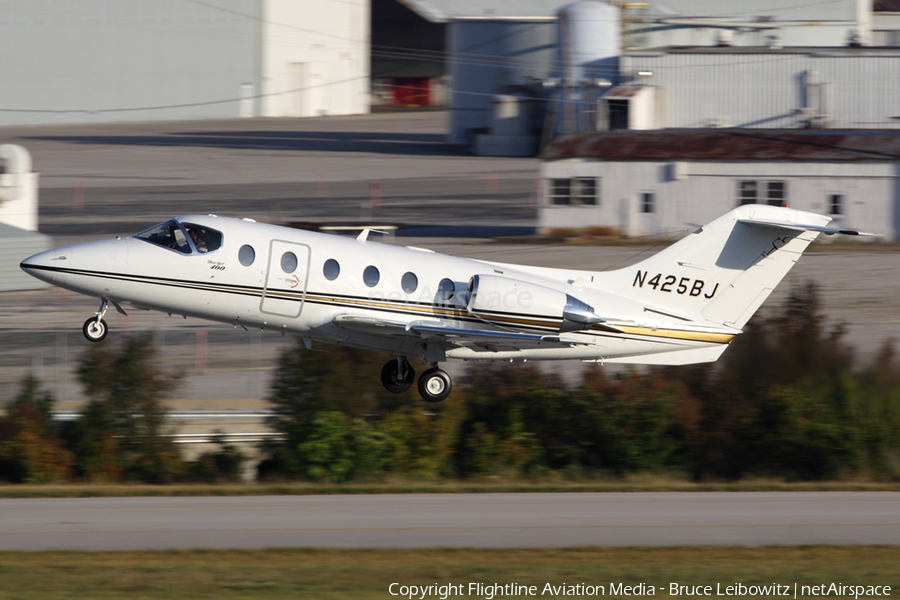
{"x": 49, "y": 266}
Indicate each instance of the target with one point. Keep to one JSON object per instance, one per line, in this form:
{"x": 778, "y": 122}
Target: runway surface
{"x": 452, "y": 520}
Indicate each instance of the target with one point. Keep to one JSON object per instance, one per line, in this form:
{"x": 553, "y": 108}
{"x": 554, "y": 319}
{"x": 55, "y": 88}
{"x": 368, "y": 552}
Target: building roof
{"x": 886, "y": 6}
{"x": 730, "y": 144}
{"x": 441, "y": 11}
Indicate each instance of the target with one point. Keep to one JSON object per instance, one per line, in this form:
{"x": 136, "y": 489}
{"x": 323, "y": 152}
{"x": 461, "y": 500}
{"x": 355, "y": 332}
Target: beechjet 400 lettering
{"x": 683, "y": 305}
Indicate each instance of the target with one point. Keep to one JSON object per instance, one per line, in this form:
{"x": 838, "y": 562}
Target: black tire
{"x": 434, "y": 385}
{"x": 95, "y": 329}
{"x": 391, "y": 380}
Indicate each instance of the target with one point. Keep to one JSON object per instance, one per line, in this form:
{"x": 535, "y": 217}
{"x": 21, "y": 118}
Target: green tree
{"x": 220, "y": 466}
{"x": 122, "y": 431}
{"x": 309, "y": 382}
{"x": 30, "y": 449}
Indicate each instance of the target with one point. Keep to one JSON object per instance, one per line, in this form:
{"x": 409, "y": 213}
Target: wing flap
{"x": 461, "y": 336}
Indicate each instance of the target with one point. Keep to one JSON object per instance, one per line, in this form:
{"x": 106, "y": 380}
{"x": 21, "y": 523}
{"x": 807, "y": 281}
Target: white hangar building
{"x": 88, "y": 61}
{"x": 649, "y": 183}
{"x": 769, "y": 88}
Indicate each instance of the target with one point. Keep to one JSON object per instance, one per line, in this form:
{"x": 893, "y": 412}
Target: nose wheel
{"x": 435, "y": 385}
{"x": 95, "y": 328}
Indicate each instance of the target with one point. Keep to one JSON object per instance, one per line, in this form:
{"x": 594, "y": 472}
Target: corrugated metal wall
{"x": 15, "y": 246}
{"x": 703, "y": 89}
{"x": 76, "y": 61}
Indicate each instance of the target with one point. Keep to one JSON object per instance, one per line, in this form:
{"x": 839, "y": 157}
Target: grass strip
{"x": 363, "y": 574}
{"x": 636, "y": 484}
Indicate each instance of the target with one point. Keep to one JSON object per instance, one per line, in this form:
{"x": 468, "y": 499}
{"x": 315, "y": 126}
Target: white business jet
{"x": 683, "y": 305}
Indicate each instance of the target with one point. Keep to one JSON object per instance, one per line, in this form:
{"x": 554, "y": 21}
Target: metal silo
{"x": 589, "y": 46}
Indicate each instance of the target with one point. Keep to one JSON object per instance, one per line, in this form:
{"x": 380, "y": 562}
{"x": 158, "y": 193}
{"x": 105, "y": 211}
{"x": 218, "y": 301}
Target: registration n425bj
{"x": 684, "y": 305}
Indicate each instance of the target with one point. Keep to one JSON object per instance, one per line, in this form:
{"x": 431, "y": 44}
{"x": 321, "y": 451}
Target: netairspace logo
{"x": 490, "y": 591}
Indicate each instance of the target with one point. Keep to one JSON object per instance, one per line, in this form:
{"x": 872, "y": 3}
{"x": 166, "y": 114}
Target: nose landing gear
{"x": 95, "y": 328}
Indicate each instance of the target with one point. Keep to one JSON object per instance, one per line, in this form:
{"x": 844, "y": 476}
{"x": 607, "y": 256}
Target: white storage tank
{"x": 589, "y": 47}
{"x": 589, "y": 41}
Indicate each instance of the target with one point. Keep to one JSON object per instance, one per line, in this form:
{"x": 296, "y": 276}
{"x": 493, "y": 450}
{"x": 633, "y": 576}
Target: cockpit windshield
{"x": 187, "y": 239}
{"x": 168, "y": 235}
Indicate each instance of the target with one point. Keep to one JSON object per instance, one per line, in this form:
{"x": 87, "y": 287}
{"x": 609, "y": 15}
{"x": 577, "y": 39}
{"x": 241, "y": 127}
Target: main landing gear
{"x": 95, "y": 328}
{"x": 397, "y": 376}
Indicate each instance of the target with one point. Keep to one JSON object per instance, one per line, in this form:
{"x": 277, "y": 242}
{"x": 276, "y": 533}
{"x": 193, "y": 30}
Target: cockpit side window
{"x": 187, "y": 239}
{"x": 204, "y": 238}
{"x": 168, "y": 235}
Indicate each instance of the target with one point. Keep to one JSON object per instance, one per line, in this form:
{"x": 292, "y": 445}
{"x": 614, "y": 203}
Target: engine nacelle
{"x": 516, "y": 302}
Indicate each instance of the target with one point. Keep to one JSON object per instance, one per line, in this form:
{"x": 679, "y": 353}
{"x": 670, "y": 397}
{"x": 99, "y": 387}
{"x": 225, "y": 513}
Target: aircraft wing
{"x": 460, "y": 336}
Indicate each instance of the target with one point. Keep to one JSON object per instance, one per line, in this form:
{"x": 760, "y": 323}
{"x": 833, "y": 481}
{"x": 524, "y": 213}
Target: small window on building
{"x": 288, "y": 262}
{"x": 747, "y": 192}
{"x": 560, "y": 191}
{"x": 776, "y": 193}
{"x": 446, "y": 289}
{"x": 835, "y": 204}
{"x": 331, "y": 269}
{"x": 371, "y": 276}
{"x": 409, "y": 282}
{"x": 585, "y": 191}
{"x": 246, "y": 255}
{"x": 648, "y": 202}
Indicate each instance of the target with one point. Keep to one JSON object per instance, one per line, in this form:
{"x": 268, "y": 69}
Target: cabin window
{"x": 648, "y": 202}
{"x": 446, "y": 289}
{"x": 289, "y": 262}
{"x": 246, "y": 255}
{"x": 168, "y": 235}
{"x": 331, "y": 269}
{"x": 371, "y": 276}
{"x": 409, "y": 282}
{"x": 203, "y": 238}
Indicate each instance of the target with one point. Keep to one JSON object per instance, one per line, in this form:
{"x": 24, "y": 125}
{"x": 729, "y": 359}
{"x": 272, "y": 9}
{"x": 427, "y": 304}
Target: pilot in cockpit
{"x": 198, "y": 239}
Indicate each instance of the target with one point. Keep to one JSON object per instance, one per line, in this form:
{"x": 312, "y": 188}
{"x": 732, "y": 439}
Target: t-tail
{"x": 722, "y": 273}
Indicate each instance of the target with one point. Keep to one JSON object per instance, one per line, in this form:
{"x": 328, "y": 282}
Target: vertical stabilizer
{"x": 722, "y": 272}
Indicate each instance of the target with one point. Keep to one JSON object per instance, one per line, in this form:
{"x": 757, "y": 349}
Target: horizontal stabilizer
{"x": 803, "y": 227}
{"x": 677, "y": 358}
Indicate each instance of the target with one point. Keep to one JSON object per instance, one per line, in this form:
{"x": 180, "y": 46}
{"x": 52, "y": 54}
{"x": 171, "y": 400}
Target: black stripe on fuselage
{"x": 390, "y": 306}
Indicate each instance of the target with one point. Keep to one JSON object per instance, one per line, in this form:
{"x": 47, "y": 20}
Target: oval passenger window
{"x": 371, "y": 276}
{"x": 246, "y": 255}
{"x": 288, "y": 262}
{"x": 409, "y": 282}
{"x": 446, "y": 289}
{"x": 331, "y": 269}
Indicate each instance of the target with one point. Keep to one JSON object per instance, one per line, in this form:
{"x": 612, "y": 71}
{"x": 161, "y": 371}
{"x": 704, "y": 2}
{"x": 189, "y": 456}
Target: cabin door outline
{"x": 284, "y": 294}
